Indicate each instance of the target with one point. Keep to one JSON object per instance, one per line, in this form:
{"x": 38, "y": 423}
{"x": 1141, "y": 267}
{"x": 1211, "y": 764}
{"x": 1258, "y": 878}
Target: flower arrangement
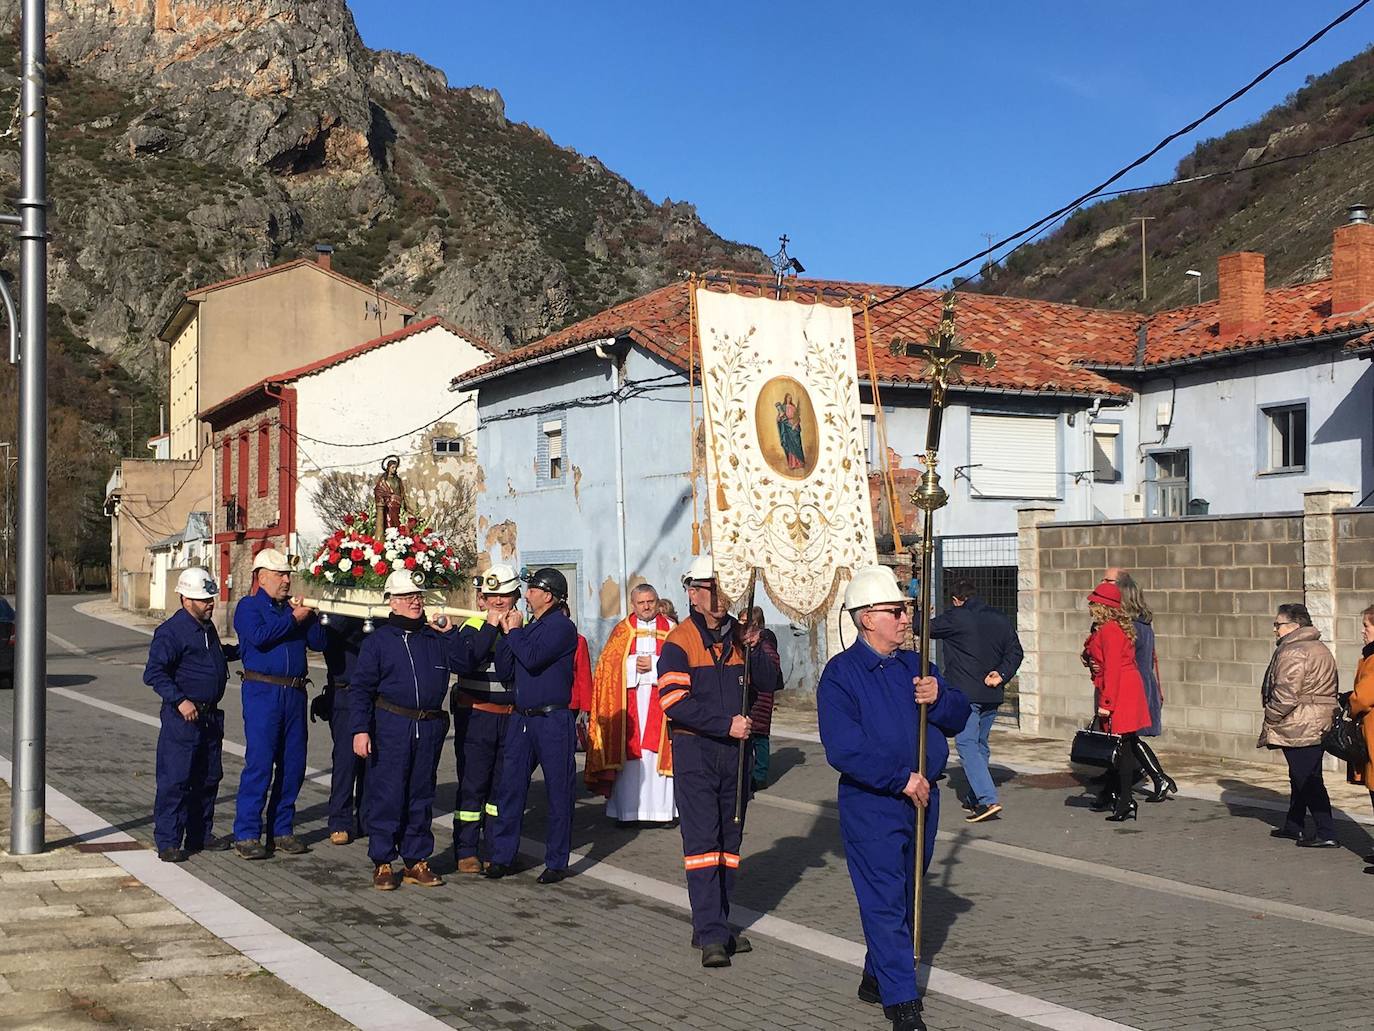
{"x": 354, "y": 556}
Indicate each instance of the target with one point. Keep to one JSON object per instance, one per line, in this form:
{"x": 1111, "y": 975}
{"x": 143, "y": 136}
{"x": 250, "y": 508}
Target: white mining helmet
{"x": 196, "y": 584}
{"x": 702, "y": 570}
{"x": 872, "y": 585}
{"x": 403, "y": 581}
{"x": 498, "y": 579}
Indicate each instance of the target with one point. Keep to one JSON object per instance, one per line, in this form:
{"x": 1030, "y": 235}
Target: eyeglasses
{"x": 1284, "y": 622}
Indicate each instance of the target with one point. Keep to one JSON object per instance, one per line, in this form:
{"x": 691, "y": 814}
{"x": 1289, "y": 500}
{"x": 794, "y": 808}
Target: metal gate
{"x": 989, "y": 562}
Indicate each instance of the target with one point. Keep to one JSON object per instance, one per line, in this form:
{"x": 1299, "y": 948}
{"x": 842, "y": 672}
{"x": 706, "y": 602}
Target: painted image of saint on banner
{"x": 785, "y": 422}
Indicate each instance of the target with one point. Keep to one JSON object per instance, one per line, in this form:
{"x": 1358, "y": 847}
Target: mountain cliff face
{"x": 1286, "y": 209}
{"x": 194, "y": 140}
{"x": 197, "y": 139}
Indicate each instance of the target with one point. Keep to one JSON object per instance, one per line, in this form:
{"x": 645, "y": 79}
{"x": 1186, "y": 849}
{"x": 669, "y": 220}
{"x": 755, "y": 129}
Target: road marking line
{"x": 320, "y": 979}
{"x": 1198, "y": 792}
{"x": 1181, "y": 889}
{"x": 830, "y": 946}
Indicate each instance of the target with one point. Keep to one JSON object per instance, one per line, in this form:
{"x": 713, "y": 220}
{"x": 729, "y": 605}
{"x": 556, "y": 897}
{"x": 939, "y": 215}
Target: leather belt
{"x": 299, "y": 683}
{"x": 414, "y": 714}
{"x": 542, "y": 710}
{"x": 463, "y": 700}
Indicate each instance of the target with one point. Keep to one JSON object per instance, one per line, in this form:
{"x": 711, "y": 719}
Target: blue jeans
{"x": 972, "y": 743}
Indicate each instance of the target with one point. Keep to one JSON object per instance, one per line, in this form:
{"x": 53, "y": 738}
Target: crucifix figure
{"x": 943, "y": 357}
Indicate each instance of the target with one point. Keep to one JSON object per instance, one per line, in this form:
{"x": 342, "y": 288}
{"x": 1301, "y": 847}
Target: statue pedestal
{"x": 368, "y": 603}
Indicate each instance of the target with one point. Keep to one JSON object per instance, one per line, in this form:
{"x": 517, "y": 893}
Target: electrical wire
{"x": 189, "y": 477}
{"x": 1097, "y": 190}
{"x": 388, "y": 440}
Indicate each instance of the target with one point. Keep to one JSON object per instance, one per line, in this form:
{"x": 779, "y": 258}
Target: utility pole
{"x": 1144, "y": 285}
{"x": 29, "y": 754}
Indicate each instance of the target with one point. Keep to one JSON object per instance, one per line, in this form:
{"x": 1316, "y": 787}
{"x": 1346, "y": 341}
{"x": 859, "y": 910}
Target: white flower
{"x": 329, "y": 575}
{"x": 369, "y": 555}
{"x": 391, "y": 554}
{"x": 345, "y": 565}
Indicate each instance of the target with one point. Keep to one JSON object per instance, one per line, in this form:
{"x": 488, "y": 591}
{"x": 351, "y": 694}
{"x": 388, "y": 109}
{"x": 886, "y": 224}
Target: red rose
{"x": 348, "y": 520}
{"x": 381, "y": 569}
{"x": 409, "y": 562}
{"x": 356, "y": 554}
{"x": 334, "y": 557}
{"x": 420, "y": 549}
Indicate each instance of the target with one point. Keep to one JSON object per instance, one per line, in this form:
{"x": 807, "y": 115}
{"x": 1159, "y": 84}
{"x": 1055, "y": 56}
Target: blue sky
{"x": 884, "y": 138}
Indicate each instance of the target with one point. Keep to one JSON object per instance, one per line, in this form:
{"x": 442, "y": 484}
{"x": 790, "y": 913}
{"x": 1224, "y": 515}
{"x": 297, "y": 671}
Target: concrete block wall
{"x": 1213, "y": 583}
{"x": 1354, "y": 585}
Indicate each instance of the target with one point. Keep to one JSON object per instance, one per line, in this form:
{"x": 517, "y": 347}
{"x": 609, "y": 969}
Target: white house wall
{"x": 1216, "y": 416}
{"x": 390, "y": 390}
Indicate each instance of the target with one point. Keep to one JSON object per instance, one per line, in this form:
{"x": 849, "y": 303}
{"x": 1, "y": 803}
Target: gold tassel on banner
{"x": 692, "y": 405}
{"x": 894, "y": 509}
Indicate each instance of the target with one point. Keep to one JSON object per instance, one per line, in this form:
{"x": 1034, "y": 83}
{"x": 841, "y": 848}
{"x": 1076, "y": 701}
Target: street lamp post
{"x": 1196, "y": 276}
{"x": 28, "y": 781}
{"x": 8, "y": 530}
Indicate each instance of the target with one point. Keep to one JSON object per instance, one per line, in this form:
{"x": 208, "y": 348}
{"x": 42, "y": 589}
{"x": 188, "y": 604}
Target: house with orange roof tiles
{"x": 297, "y": 449}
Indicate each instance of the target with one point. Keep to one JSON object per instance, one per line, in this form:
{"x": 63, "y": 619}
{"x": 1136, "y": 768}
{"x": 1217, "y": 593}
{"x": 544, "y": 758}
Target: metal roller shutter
{"x": 1014, "y": 456}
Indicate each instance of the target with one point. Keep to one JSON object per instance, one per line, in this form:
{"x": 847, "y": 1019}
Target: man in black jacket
{"x": 980, "y": 654}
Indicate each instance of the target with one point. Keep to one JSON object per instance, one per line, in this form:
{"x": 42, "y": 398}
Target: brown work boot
{"x": 469, "y": 864}
{"x": 340, "y": 837}
{"x": 384, "y": 878}
{"x": 420, "y": 874}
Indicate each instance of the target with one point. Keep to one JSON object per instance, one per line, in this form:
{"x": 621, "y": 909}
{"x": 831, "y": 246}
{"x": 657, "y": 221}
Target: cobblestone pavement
{"x": 82, "y": 944}
{"x": 1190, "y": 918}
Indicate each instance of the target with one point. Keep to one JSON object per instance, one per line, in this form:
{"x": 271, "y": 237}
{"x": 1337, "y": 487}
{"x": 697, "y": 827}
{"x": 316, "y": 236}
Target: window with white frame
{"x": 1106, "y": 452}
{"x": 552, "y": 452}
{"x": 1013, "y": 456}
{"x": 1168, "y": 484}
{"x": 869, "y": 429}
{"x": 1283, "y": 438}
{"x": 448, "y": 447}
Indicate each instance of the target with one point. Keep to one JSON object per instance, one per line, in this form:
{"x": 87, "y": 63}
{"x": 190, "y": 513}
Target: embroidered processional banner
{"x": 784, "y": 449}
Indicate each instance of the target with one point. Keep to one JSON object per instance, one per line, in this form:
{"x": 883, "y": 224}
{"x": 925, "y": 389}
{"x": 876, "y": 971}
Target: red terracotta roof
{"x": 1038, "y": 344}
{"x": 352, "y": 352}
{"x": 1291, "y": 313}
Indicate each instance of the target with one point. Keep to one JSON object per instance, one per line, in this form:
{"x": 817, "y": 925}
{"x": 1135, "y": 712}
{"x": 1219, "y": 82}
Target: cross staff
{"x": 943, "y": 357}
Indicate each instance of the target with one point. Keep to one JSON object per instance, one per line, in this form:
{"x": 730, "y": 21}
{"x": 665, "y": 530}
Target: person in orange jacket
{"x": 1362, "y": 703}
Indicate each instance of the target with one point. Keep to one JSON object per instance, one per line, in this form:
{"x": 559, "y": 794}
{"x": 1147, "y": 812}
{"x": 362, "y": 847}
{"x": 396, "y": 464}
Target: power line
{"x": 1117, "y": 175}
{"x": 388, "y": 440}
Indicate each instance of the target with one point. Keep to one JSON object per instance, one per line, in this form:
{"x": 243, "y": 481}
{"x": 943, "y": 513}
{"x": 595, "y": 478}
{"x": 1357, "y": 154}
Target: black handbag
{"x": 1094, "y": 747}
{"x": 1345, "y": 738}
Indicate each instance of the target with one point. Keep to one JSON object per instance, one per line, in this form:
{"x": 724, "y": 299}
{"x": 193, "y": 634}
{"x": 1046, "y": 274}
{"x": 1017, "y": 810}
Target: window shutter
{"x": 1014, "y": 456}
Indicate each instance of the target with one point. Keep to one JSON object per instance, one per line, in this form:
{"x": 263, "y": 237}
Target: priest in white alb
{"x": 629, "y": 759}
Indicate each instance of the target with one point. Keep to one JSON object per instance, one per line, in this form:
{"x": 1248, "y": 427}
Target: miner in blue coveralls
{"x": 483, "y": 700}
{"x": 188, "y": 667}
{"x": 348, "y": 773}
{"x": 542, "y": 730}
{"x": 399, "y": 688}
{"x": 701, "y": 690}
{"x": 868, "y": 706}
{"x": 274, "y": 633}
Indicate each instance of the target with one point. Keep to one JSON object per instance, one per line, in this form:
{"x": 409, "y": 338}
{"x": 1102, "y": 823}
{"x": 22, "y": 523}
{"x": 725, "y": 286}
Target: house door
{"x": 1167, "y": 496}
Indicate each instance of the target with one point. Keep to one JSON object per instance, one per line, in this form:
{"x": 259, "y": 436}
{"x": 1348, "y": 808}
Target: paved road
{"x": 1191, "y": 918}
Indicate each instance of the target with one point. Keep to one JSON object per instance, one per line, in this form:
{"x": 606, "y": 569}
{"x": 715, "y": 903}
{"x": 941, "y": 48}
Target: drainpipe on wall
{"x": 617, "y": 378}
{"x": 1089, "y": 456}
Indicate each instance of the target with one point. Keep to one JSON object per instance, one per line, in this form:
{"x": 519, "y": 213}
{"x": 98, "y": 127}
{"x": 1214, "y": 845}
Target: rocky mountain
{"x": 194, "y": 140}
{"x": 1285, "y": 209}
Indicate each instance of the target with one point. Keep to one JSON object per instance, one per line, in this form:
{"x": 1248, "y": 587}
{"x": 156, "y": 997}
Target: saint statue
{"x": 390, "y": 495}
{"x": 790, "y": 432}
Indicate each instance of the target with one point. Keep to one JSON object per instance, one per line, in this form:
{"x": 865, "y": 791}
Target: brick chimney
{"x": 324, "y": 254}
{"x": 1352, "y": 263}
{"x": 1240, "y": 293}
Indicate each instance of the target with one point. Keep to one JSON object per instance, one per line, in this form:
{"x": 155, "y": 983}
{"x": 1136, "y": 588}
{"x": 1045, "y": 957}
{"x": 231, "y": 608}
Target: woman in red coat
{"x": 1120, "y": 693}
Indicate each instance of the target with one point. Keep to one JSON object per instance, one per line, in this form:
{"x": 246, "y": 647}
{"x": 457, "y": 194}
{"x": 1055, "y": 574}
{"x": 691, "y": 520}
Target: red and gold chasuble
{"x": 614, "y": 734}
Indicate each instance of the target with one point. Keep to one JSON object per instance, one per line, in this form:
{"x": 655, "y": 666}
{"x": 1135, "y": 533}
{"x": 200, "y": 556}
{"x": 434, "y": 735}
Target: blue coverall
{"x": 542, "y": 731}
{"x": 409, "y": 669}
{"x": 479, "y": 732}
{"x": 274, "y": 716}
{"x": 869, "y": 723}
{"x": 348, "y": 773}
{"x": 187, "y": 662}
{"x": 700, "y": 686}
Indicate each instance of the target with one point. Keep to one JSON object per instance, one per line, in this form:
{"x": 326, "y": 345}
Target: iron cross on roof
{"x": 943, "y": 356}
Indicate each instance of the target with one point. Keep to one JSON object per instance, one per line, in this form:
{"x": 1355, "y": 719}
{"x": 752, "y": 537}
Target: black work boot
{"x": 868, "y": 990}
{"x": 250, "y": 848}
{"x": 906, "y": 1016}
{"x": 715, "y": 956}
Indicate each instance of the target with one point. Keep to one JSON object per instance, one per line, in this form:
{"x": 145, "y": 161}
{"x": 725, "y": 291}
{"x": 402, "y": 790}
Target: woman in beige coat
{"x": 1299, "y": 696}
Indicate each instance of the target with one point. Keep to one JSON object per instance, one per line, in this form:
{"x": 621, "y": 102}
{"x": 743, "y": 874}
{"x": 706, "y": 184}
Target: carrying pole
{"x": 28, "y": 781}
{"x": 745, "y": 683}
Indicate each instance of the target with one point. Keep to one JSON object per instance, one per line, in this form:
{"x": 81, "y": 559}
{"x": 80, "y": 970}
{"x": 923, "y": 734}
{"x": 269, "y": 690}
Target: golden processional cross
{"x": 943, "y": 356}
